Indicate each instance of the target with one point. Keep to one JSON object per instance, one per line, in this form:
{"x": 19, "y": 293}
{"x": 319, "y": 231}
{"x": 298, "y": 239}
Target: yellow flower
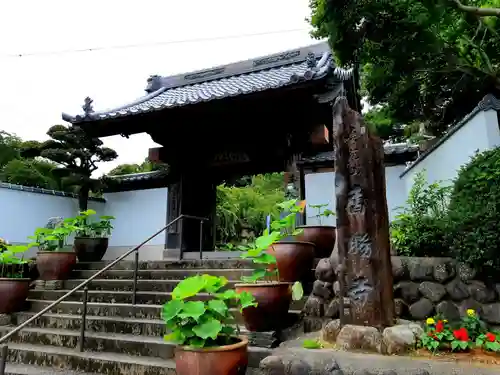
{"x": 445, "y": 321}
{"x": 471, "y": 313}
{"x": 430, "y": 321}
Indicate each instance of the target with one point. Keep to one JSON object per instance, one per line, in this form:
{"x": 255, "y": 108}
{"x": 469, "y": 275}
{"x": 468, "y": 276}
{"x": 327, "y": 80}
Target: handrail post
{"x": 181, "y": 240}
{"x": 136, "y": 271}
{"x": 84, "y": 318}
{"x": 201, "y": 239}
{"x": 3, "y": 359}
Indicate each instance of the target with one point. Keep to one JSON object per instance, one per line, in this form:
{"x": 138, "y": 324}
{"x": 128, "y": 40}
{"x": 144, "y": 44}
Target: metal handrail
{"x": 4, "y": 349}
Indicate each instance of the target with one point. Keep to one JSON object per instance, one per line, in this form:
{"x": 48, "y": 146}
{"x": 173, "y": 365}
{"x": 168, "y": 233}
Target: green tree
{"x": 145, "y": 166}
{"x": 16, "y": 170}
{"x": 427, "y": 60}
{"x": 9, "y": 147}
{"x": 31, "y": 172}
{"x": 76, "y": 156}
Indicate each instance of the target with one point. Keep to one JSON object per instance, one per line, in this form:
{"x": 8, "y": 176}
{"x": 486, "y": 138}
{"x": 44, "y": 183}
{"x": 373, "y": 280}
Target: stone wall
{"x": 423, "y": 287}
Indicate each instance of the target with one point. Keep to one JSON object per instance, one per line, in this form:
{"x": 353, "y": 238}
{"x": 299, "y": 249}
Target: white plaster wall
{"x": 442, "y": 164}
{"x": 320, "y": 188}
{"x": 139, "y": 214}
{"x": 22, "y": 212}
{"x": 395, "y": 190}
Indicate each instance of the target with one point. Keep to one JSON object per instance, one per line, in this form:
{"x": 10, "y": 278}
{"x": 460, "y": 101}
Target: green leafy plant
{"x": 260, "y": 255}
{"x": 420, "y": 228}
{"x": 437, "y": 334}
{"x": 203, "y": 323}
{"x": 12, "y": 260}
{"x": 55, "y": 240}
{"x": 312, "y": 344}
{"x": 44, "y": 244}
{"x": 85, "y": 227}
{"x": 322, "y": 212}
{"x": 489, "y": 341}
{"x": 3, "y": 244}
{"x": 474, "y": 212}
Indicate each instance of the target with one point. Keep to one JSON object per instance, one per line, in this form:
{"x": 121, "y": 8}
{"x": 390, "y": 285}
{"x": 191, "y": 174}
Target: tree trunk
{"x": 83, "y": 197}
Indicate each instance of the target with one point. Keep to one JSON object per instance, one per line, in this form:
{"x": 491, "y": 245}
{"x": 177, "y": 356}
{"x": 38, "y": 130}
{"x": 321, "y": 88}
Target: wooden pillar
{"x": 362, "y": 220}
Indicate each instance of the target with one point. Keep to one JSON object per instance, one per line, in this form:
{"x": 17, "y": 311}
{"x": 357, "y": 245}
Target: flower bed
{"x": 470, "y": 335}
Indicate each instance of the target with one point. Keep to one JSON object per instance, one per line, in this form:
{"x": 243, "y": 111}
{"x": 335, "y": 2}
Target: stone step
{"x": 137, "y": 348}
{"x": 173, "y": 274}
{"x": 166, "y": 265}
{"x": 100, "y": 324}
{"x": 112, "y": 309}
{"x": 113, "y": 296}
{"x": 144, "y": 285}
{"x": 94, "y": 323}
{"x": 127, "y": 285}
{"x": 97, "y": 362}
{"x": 21, "y": 369}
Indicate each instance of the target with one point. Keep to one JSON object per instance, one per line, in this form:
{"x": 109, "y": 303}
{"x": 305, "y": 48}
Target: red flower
{"x": 439, "y": 326}
{"x": 461, "y": 334}
{"x": 491, "y": 337}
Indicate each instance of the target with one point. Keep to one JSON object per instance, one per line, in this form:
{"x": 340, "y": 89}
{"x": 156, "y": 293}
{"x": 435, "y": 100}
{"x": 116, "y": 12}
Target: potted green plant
{"x": 273, "y": 296}
{"x": 294, "y": 258}
{"x": 92, "y": 237}
{"x": 14, "y": 286}
{"x": 54, "y": 261}
{"x": 323, "y": 236}
{"x": 208, "y": 343}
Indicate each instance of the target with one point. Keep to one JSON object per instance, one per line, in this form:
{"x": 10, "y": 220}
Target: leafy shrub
{"x": 246, "y": 207}
{"x": 474, "y": 211}
{"x": 420, "y": 227}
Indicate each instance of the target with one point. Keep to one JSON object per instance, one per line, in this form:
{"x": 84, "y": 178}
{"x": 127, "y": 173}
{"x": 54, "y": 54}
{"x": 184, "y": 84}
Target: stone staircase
{"x": 120, "y": 338}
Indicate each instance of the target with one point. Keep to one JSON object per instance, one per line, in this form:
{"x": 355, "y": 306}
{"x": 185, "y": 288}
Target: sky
{"x": 177, "y": 36}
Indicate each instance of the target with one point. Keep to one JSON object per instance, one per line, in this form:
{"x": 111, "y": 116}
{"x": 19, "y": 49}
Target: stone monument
{"x": 364, "y": 269}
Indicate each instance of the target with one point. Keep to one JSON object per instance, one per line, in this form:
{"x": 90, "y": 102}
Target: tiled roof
{"x": 36, "y": 190}
{"x": 389, "y": 149}
{"x": 264, "y": 73}
{"x": 144, "y": 176}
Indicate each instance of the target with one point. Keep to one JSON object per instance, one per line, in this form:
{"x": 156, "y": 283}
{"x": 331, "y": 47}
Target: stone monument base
{"x": 397, "y": 339}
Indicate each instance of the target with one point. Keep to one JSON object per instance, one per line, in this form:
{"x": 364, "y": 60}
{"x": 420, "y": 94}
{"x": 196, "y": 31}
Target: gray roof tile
{"x": 266, "y": 73}
{"x": 144, "y": 176}
{"x": 389, "y": 149}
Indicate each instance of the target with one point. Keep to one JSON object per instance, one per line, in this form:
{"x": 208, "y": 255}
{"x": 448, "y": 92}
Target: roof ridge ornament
{"x": 311, "y": 60}
{"x": 87, "y": 107}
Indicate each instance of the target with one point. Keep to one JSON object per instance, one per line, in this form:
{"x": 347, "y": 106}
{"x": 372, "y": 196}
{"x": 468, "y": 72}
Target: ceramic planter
{"x": 13, "y": 293}
{"x": 55, "y": 265}
{"x": 294, "y": 259}
{"x": 273, "y": 301}
{"x": 321, "y": 236}
{"x": 90, "y": 249}
{"x": 220, "y": 360}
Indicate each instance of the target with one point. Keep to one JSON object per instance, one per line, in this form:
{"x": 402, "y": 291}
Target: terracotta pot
{"x": 220, "y": 360}
{"x": 55, "y": 265}
{"x": 294, "y": 259}
{"x": 321, "y": 236}
{"x": 90, "y": 249}
{"x": 13, "y": 293}
{"x": 273, "y": 301}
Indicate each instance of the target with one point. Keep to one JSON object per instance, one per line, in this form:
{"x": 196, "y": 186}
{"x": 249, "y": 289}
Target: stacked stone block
{"x": 423, "y": 287}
